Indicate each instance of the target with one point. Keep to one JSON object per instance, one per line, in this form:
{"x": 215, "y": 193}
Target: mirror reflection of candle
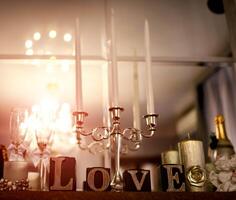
{"x": 106, "y": 116}
{"x": 136, "y": 109}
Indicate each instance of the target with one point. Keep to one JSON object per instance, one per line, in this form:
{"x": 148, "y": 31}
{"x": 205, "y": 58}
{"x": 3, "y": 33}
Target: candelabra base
{"x": 43, "y": 176}
{"x": 117, "y": 183}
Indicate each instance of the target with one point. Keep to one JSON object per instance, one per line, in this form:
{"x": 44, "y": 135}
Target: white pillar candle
{"x": 34, "y": 181}
{"x": 78, "y": 70}
{"x": 115, "y": 97}
{"x": 191, "y": 153}
{"x": 136, "y": 109}
{"x": 149, "y": 87}
{"x": 170, "y": 157}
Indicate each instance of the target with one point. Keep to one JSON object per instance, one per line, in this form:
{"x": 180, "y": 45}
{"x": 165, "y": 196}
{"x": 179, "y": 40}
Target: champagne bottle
{"x": 3, "y": 157}
{"x": 224, "y": 146}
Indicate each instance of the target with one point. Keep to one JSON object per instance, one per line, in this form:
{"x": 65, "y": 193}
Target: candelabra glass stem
{"x": 118, "y": 144}
{"x": 117, "y": 181}
{"x": 43, "y": 175}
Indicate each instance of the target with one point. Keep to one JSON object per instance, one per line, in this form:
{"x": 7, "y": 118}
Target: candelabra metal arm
{"x": 79, "y": 118}
{"x": 132, "y": 139}
{"x": 151, "y": 125}
{"x": 105, "y": 137}
{"x": 98, "y": 134}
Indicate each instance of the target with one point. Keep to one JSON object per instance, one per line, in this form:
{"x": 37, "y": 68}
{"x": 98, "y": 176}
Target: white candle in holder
{"x": 170, "y": 157}
{"x": 78, "y": 70}
{"x": 149, "y": 86}
{"x": 115, "y": 89}
{"x": 136, "y": 109}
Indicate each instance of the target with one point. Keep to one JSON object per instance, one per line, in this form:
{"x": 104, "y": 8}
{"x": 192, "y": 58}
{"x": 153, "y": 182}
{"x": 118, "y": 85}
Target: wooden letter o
{"x": 105, "y": 179}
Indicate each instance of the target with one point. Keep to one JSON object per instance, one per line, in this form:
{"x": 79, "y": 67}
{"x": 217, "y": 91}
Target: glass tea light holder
{"x": 44, "y": 132}
{"x": 18, "y": 130}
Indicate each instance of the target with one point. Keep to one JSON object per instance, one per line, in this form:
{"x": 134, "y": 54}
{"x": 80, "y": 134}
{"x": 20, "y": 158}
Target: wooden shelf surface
{"x": 54, "y": 195}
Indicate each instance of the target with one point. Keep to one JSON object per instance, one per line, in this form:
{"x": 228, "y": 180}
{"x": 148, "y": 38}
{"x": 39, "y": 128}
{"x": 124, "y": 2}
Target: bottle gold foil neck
{"x": 220, "y": 128}
{"x": 3, "y": 151}
{"x": 219, "y": 119}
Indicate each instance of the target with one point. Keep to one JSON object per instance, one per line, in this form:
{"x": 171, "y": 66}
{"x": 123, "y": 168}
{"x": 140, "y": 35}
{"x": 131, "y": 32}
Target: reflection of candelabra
{"x": 113, "y": 137}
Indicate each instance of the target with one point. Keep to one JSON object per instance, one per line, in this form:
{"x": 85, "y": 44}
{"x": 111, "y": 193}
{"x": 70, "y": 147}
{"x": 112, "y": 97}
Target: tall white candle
{"x": 78, "y": 70}
{"x": 136, "y": 109}
{"x": 105, "y": 89}
{"x": 149, "y": 87}
{"x": 106, "y": 116}
{"x": 115, "y": 98}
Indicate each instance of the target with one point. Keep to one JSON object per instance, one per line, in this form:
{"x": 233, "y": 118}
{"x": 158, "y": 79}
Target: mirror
{"x": 185, "y": 38}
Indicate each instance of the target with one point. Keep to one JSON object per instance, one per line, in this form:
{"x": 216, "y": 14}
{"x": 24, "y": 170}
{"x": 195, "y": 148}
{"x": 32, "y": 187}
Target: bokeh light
{"x": 28, "y": 44}
{"x": 52, "y": 34}
{"x": 67, "y": 37}
{"x": 37, "y": 36}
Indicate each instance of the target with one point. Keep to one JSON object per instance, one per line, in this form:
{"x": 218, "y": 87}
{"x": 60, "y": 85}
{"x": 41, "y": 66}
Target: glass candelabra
{"x": 44, "y": 133}
{"x": 18, "y": 130}
{"x": 115, "y": 138}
